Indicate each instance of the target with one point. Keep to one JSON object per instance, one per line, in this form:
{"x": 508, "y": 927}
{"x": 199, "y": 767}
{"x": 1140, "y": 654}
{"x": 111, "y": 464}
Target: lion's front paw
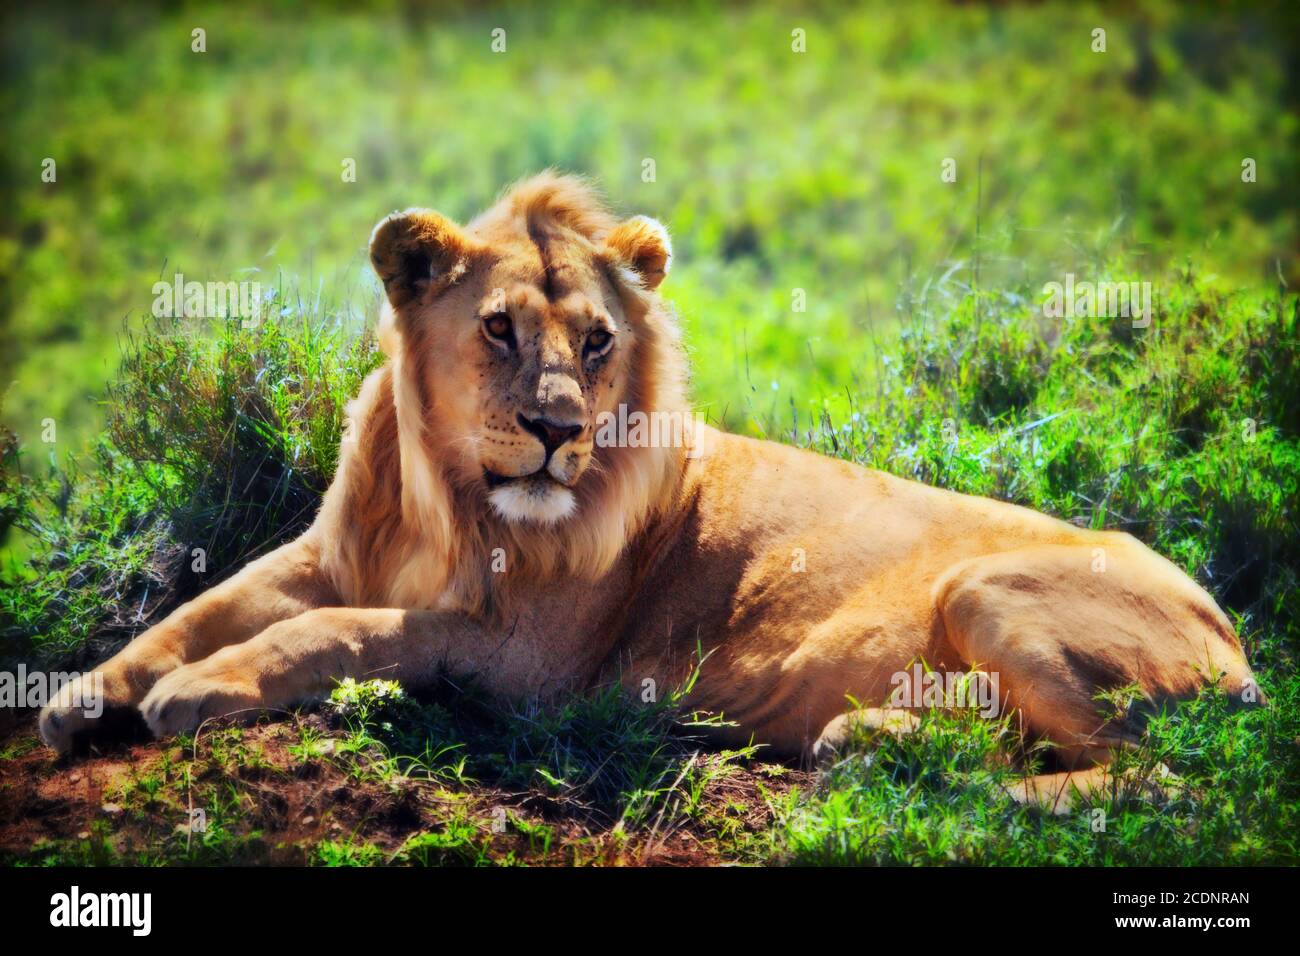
{"x": 189, "y": 695}
{"x": 86, "y": 709}
{"x": 74, "y": 713}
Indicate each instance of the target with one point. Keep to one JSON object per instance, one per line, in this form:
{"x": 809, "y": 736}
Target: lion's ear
{"x": 413, "y": 249}
{"x": 642, "y": 244}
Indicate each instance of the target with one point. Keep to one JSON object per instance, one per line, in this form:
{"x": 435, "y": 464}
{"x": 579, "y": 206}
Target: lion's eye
{"x": 598, "y": 342}
{"x": 499, "y": 327}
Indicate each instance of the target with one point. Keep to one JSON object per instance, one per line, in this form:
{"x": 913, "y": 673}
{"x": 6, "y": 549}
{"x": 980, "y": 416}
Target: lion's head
{"x": 511, "y": 339}
{"x": 532, "y": 312}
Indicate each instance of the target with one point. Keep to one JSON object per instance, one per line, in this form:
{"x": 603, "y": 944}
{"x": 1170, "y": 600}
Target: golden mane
{"x": 397, "y": 529}
{"x": 551, "y": 199}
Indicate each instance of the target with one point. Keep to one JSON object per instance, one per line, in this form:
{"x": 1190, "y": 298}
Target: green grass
{"x": 451, "y": 780}
{"x": 939, "y": 797}
{"x": 922, "y": 352}
{"x": 775, "y": 170}
{"x": 156, "y": 519}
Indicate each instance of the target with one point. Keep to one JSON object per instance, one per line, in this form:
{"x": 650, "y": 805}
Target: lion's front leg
{"x": 304, "y": 658}
{"x": 104, "y": 703}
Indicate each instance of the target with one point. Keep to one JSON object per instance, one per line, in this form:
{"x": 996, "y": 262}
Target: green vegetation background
{"x": 775, "y": 171}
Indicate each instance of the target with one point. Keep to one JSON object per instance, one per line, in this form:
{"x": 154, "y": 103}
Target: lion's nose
{"x": 551, "y": 434}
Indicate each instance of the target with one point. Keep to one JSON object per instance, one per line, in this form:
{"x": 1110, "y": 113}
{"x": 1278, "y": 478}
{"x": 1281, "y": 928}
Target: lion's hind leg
{"x": 1059, "y": 626}
{"x": 840, "y": 734}
{"x": 1061, "y": 793}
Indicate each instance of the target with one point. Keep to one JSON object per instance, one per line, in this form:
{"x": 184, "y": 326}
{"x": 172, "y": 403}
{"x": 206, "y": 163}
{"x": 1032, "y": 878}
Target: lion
{"x": 479, "y": 526}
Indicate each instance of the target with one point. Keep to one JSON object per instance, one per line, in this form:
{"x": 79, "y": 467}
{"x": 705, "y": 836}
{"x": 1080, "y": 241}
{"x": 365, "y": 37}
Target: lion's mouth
{"x": 536, "y": 498}
{"x": 495, "y": 480}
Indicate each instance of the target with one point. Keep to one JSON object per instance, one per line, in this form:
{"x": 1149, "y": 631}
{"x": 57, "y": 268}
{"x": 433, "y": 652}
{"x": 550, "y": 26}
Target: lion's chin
{"x": 538, "y": 500}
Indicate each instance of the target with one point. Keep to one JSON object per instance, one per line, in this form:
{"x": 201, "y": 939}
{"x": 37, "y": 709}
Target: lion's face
{"x": 517, "y": 331}
{"x": 548, "y": 354}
